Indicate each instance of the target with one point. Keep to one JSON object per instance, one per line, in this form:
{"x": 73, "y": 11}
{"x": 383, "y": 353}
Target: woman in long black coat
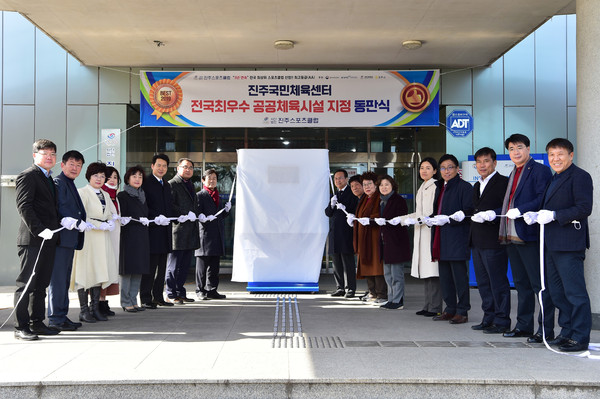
{"x": 134, "y": 254}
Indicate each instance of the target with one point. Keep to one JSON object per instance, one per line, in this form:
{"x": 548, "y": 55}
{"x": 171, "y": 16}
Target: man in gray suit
{"x": 185, "y": 234}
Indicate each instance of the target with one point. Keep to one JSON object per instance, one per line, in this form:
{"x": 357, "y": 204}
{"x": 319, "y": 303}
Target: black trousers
{"x": 153, "y": 283}
{"x": 207, "y": 273}
{"x": 32, "y": 306}
{"x": 343, "y": 265}
{"x": 454, "y": 280}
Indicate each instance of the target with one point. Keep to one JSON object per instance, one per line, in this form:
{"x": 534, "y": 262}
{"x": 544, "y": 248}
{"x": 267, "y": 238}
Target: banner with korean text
{"x": 289, "y": 98}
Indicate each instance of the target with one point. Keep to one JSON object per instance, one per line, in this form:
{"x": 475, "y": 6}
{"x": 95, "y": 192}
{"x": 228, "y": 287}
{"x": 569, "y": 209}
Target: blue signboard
{"x": 459, "y": 123}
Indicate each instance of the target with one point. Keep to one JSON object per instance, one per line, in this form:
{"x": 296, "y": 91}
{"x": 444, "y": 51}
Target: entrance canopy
{"x": 325, "y": 33}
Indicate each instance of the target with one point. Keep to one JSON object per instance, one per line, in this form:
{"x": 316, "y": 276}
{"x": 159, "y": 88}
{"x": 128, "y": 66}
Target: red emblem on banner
{"x": 165, "y": 97}
{"x": 414, "y": 97}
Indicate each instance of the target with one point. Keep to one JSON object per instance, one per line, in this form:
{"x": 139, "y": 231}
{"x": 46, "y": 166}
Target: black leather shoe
{"x": 538, "y": 339}
{"x": 558, "y": 341}
{"x": 481, "y": 326}
{"x": 421, "y": 312}
{"x": 39, "y": 328}
{"x": 163, "y": 303}
{"x": 430, "y": 314}
{"x": 495, "y": 329}
{"x": 516, "y": 333}
{"x": 573, "y": 346}
{"x": 339, "y": 293}
{"x": 150, "y": 305}
{"x": 350, "y": 294}
{"x": 26, "y": 335}
{"x": 63, "y": 326}
{"x": 130, "y": 309}
{"x": 73, "y": 323}
{"x": 186, "y": 299}
{"x": 215, "y": 295}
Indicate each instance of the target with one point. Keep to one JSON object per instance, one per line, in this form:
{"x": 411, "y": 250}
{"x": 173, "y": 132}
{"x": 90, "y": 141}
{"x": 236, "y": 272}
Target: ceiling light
{"x": 283, "y": 44}
{"x": 286, "y": 142}
{"x": 412, "y": 44}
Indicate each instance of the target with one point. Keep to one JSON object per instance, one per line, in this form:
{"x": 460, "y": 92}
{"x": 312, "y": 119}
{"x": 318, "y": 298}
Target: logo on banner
{"x": 414, "y": 97}
{"x": 165, "y": 97}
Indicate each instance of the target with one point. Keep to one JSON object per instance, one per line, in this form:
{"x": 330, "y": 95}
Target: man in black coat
{"x": 38, "y": 207}
{"x": 72, "y": 213}
{"x": 185, "y": 234}
{"x": 212, "y": 238}
{"x": 159, "y": 201}
{"x": 340, "y": 236}
{"x": 490, "y": 260}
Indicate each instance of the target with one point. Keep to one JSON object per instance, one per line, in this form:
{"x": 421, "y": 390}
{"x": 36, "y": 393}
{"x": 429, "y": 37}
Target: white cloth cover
{"x": 280, "y": 226}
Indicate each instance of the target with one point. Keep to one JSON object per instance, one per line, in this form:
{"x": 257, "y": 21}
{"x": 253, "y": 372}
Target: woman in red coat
{"x": 395, "y": 243}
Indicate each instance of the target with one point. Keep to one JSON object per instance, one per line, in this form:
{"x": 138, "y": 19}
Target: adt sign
{"x": 459, "y": 123}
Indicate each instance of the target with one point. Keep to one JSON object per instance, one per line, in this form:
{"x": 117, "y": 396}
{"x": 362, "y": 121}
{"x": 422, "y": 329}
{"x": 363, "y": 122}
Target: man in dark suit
{"x": 489, "y": 257}
{"x": 212, "y": 238}
{"x": 340, "y": 236}
{"x": 160, "y": 202}
{"x": 185, "y": 234}
{"x": 71, "y": 212}
{"x": 38, "y": 208}
{"x": 524, "y": 192}
{"x": 566, "y": 205}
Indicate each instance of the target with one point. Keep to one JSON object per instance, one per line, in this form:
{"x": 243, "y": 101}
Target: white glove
{"x": 333, "y": 201}
{"x": 210, "y": 218}
{"x": 409, "y": 221}
{"x": 530, "y": 217}
{"x": 227, "y": 207}
{"x": 192, "y": 216}
{"x": 478, "y": 217}
{"x": 427, "y": 221}
{"x": 115, "y": 216}
{"x": 144, "y": 221}
{"x": 341, "y": 206}
{"x": 68, "y": 223}
{"x": 111, "y": 225}
{"x": 350, "y": 218}
{"x": 84, "y": 226}
{"x": 380, "y": 221}
{"x": 161, "y": 220}
{"x": 440, "y": 220}
{"x": 103, "y": 226}
{"x": 183, "y": 218}
{"x": 513, "y": 213}
{"x": 458, "y": 216}
{"x": 124, "y": 220}
{"x": 545, "y": 216}
{"x": 488, "y": 216}
{"x": 396, "y": 221}
{"x": 363, "y": 221}
{"x": 46, "y": 234}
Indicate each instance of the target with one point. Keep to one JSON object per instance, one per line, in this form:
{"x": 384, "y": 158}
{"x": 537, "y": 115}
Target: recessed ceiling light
{"x": 412, "y": 44}
{"x": 283, "y": 44}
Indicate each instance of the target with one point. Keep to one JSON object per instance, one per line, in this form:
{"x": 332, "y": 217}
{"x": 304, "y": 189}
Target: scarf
{"x": 112, "y": 193}
{"x": 383, "y": 199}
{"x": 214, "y": 194}
{"x": 137, "y": 193}
{"x": 508, "y": 233}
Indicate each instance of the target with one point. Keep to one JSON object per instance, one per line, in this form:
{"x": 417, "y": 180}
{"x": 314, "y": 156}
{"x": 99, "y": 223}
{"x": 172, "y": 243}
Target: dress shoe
{"x": 339, "y": 293}
{"x": 150, "y": 305}
{"x": 393, "y": 306}
{"x": 175, "y": 301}
{"x": 350, "y": 294}
{"x": 481, "y": 326}
{"x": 538, "y": 339}
{"x": 64, "y": 326}
{"x": 39, "y": 328}
{"x": 459, "y": 319}
{"x": 73, "y": 323}
{"x": 130, "y": 309}
{"x": 215, "y": 295}
{"x": 421, "y": 312}
{"x": 573, "y": 346}
{"x": 26, "y": 335}
{"x": 516, "y": 333}
{"x": 558, "y": 341}
{"x": 162, "y": 303}
{"x": 139, "y": 308}
{"x": 495, "y": 329}
{"x": 443, "y": 317}
{"x": 430, "y": 314}
{"x": 365, "y": 297}
{"x": 186, "y": 299}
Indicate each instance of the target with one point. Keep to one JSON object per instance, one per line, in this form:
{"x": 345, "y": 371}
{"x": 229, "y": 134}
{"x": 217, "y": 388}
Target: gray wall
{"x": 46, "y": 93}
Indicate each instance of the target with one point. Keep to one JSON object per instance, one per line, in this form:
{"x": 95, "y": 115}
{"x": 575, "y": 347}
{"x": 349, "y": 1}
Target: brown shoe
{"x": 459, "y": 319}
{"x": 443, "y": 317}
{"x": 175, "y": 301}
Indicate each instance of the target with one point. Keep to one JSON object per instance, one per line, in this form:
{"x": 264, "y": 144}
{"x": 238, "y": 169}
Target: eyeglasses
{"x": 187, "y": 167}
{"x": 517, "y": 148}
{"x": 449, "y": 168}
{"x": 47, "y": 154}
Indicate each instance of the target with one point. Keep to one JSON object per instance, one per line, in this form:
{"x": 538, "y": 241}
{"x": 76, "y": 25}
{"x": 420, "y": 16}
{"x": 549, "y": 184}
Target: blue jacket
{"x": 528, "y": 196}
{"x": 571, "y": 199}
{"x": 69, "y": 205}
